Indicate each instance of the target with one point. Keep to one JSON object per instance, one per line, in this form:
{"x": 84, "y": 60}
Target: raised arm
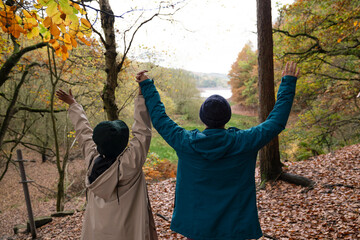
{"x": 83, "y": 131}
{"x": 134, "y": 157}
{"x": 260, "y": 135}
{"x": 172, "y": 133}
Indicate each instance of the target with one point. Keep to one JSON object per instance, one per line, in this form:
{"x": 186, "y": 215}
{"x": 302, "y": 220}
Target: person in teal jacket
{"x": 215, "y": 196}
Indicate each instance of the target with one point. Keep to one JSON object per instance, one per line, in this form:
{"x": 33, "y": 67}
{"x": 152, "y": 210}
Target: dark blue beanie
{"x": 215, "y": 112}
{"x": 111, "y": 137}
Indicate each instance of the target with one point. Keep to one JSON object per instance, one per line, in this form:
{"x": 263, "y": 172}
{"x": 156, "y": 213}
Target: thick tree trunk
{"x": 108, "y": 95}
{"x": 270, "y": 165}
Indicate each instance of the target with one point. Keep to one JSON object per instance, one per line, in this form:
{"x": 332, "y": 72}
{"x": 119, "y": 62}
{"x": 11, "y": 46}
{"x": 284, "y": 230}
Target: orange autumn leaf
{"x": 47, "y": 22}
{"x": 67, "y": 38}
{"x": 85, "y": 22}
{"x": 87, "y": 43}
{"x": 54, "y": 30}
{"x": 26, "y": 14}
{"x": 73, "y": 42}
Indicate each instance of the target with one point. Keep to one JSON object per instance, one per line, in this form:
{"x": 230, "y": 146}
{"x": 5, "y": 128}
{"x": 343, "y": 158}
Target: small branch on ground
{"x": 163, "y": 217}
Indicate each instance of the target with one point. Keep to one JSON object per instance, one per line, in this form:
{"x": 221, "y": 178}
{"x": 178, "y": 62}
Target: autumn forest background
{"x": 49, "y": 44}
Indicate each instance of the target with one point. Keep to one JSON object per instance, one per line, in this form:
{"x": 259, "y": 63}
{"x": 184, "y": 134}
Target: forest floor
{"x": 331, "y": 210}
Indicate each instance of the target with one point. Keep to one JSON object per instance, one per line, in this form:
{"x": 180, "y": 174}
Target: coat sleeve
{"x": 83, "y": 131}
{"x": 172, "y": 133}
{"x": 262, "y": 134}
{"x": 134, "y": 157}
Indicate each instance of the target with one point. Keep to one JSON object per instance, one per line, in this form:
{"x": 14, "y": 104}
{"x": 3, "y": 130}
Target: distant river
{"x": 207, "y": 92}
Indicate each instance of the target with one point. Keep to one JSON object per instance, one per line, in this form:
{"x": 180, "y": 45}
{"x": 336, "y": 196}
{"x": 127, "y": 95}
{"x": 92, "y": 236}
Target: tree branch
{"x": 14, "y": 59}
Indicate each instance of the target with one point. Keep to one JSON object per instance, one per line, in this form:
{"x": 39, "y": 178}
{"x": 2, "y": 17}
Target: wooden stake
{"x": 26, "y": 193}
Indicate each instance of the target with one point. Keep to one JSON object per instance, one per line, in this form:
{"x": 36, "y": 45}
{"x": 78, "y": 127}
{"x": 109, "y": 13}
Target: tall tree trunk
{"x": 60, "y": 196}
{"x": 270, "y": 165}
{"x": 108, "y": 95}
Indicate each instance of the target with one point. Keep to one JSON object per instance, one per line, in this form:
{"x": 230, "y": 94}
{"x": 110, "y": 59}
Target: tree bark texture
{"x": 270, "y": 165}
{"x": 108, "y": 94}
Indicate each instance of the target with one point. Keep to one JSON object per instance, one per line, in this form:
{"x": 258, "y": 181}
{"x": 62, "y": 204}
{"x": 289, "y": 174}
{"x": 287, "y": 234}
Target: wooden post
{"x": 26, "y": 193}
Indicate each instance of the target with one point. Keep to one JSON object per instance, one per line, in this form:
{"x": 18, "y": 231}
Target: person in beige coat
{"x": 118, "y": 205}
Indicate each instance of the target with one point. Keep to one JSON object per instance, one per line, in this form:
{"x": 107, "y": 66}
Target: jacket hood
{"x": 212, "y": 144}
{"x": 105, "y": 184}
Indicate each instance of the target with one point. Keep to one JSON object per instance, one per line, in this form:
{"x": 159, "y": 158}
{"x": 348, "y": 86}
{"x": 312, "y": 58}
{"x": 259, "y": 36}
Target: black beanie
{"x": 215, "y": 112}
{"x": 111, "y": 137}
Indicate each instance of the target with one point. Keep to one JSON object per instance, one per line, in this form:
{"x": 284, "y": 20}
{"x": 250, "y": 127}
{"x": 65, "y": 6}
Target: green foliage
{"x": 178, "y": 85}
{"x": 243, "y": 77}
{"x": 322, "y": 36}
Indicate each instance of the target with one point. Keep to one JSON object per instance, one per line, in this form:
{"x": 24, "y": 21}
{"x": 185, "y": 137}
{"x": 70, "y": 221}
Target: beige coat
{"x": 128, "y": 216}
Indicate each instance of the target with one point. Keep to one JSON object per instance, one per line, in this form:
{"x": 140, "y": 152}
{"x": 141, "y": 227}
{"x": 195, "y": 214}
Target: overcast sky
{"x": 206, "y": 35}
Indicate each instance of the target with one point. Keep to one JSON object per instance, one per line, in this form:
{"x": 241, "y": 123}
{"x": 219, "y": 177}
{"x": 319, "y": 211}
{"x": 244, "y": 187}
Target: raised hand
{"x": 67, "y": 98}
{"x": 291, "y": 70}
{"x": 141, "y": 76}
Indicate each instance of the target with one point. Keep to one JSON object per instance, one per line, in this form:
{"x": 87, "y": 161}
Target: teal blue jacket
{"x": 215, "y": 196}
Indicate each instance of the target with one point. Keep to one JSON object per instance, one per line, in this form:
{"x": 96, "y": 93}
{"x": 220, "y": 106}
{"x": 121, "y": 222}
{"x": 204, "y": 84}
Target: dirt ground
{"x": 330, "y": 210}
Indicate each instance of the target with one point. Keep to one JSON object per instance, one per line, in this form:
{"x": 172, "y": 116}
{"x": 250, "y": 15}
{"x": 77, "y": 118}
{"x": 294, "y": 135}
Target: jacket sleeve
{"x": 135, "y": 155}
{"x": 172, "y": 133}
{"x": 262, "y": 134}
{"x": 83, "y": 131}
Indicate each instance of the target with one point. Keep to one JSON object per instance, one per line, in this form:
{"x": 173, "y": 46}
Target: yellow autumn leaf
{"x": 82, "y": 11}
{"x": 85, "y": 22}
{"x": 72, "y": 32}
{"x": 57, "y": 18}
{"x": 26, "y": 13}
{"x": 52, "y": 9}
{"x": 80, "y": 35}
{"x": 68, "y": 20}
{"x": 29, "y": 35}
{"x": 85, "y": 30}
{"x": 32, "y": 21}
{"x": 18, "y": 19}
{"x": 35, "y": 31}
{"x": 73, "y": 19}
{"x": 38, "y": 6}
{"x": 47, "y": 36}
{"x": 62, "y": 28}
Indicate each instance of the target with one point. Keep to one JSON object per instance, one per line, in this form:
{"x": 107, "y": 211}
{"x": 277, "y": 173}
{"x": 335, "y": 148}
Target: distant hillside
{"x": 211, "y": 80}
